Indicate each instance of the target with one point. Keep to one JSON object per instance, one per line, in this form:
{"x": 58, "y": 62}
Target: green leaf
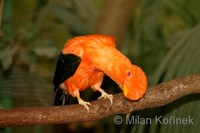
{"x": 47, "y": 51}
{"x": 72, "y": 21}
{"x": 7, "y": 55}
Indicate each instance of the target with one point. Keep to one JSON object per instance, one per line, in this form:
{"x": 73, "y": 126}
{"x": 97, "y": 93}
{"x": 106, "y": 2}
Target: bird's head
{"x": 135, "y": 83}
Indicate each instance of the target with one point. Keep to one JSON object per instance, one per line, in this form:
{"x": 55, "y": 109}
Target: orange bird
{"x": 85, "y": 60}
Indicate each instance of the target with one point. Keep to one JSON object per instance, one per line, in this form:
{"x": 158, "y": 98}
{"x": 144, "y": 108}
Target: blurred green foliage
{"x": 162, "y": 38}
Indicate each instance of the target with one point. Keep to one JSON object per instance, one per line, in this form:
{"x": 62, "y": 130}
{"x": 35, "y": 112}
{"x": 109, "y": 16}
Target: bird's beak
{"x": 125, "y": 90}
{"x": 132, "y": 94}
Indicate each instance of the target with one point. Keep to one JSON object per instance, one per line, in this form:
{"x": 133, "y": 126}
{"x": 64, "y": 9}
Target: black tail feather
{"x": 61, "y": 98}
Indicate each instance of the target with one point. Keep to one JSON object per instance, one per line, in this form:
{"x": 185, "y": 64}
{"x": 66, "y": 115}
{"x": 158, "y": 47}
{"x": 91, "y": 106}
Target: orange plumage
{"x": 99, "y": 57}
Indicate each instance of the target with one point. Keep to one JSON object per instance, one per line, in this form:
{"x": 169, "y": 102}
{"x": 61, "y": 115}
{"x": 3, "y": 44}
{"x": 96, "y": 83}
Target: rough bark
{"x": 155, "y": 96}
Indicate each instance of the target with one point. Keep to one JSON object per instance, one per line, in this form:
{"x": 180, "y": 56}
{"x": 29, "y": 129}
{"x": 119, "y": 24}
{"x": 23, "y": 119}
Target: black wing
{"x": 67, "y": 65}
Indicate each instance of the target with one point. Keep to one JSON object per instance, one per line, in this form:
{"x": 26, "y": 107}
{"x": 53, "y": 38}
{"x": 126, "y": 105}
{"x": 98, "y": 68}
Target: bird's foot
{"x": 104, "y": 95}
{"x": 84, "y": 103}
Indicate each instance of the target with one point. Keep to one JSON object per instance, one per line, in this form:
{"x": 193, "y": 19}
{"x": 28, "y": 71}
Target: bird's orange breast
{"x": 85, "y": 76}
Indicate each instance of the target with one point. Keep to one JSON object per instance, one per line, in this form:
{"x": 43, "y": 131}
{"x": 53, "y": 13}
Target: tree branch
{"x": 155, "y": 96}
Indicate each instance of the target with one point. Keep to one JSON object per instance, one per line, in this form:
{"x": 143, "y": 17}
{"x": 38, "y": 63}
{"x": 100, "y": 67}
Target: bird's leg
{"x": 81, "y": 101}
{"x": 104, "y": 95}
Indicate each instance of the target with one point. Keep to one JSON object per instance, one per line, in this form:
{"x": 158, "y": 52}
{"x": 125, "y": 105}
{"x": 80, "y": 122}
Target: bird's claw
{"x": 85, "y": 104}
{"x": 105, "y": 95}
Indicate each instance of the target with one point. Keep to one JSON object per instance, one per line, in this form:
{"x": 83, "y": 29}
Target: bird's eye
{"x": 128, "y": 74}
